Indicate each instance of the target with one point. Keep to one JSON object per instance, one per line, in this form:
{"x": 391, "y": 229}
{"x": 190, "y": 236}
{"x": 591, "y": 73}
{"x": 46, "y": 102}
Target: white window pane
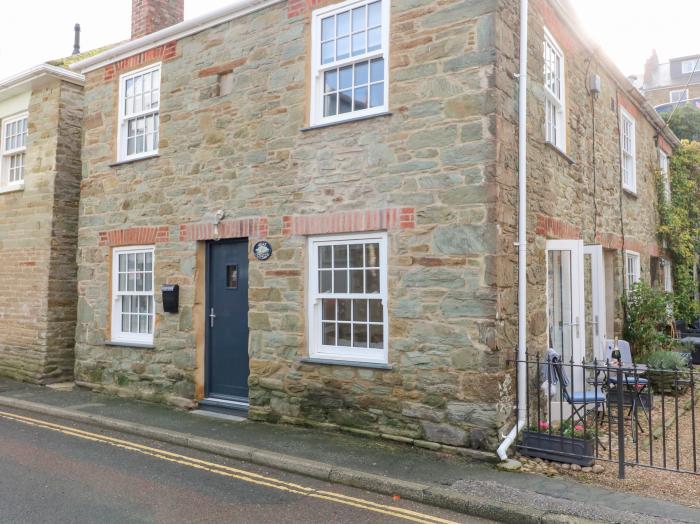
{"x": 361, "y": 73}
{"x": 327, "y": 52}
{"x": 359, "y": 43}
{"x": 374, "y": 16}
{"x": 330, "y": 104}
{"x": 359, "y": 19}
{"x": 343, "y": 24}
{"x": 328, "y": 28}
{"x": 361, "y": 101}
{"x": 345, "y": 77}
{"x": 374, "y": 39}
{"x": 343, "y": 48}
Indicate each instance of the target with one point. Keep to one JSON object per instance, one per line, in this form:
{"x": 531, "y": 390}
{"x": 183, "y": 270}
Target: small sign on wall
{"x": 262, "y": 250}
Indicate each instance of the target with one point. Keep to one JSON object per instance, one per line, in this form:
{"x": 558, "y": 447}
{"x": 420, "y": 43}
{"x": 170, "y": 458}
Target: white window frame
{"x": 629, "y": 173}
{"x": 668, "y": 276}
{"x": 687, "y": 66}
{"x": 314, "y": 313}
{"x": 555, "y": 105}
{"x": 122, "y": 132}
{"x": 665, "y": 174}
{"x": 7, "y": 154}
{"x": 675, "y": 100}
{"x": 318, "y": 69}
{"x": 117, "y": 334}
{"x": 633, "y": 268}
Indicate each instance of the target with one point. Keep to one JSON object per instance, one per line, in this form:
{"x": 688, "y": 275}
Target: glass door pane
{"x": 560, "y": 303}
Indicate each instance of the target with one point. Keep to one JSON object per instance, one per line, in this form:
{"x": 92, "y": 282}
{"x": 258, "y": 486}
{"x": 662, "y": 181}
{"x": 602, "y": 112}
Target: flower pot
{"x": 665, "y": 382}
{"x": 571, "y": 450}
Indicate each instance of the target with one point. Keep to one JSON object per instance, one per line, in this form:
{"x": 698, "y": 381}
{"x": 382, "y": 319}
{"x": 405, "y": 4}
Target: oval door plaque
{"x": 262, "y": 250}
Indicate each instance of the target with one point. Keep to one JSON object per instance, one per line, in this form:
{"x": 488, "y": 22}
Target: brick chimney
{"x": 650, "y": 67}
{"x": 149, "y": 16}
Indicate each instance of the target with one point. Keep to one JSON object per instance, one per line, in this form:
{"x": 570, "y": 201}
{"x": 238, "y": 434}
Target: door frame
{"x": 598, "y": 292}
{"x": 207, "y": 325}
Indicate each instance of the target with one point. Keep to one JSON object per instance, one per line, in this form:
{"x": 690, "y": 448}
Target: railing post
{"x": 620, "y": 424}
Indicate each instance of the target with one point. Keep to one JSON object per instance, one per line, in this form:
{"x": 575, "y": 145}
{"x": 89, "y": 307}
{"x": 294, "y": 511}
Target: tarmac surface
{"x": 52, "y": 471}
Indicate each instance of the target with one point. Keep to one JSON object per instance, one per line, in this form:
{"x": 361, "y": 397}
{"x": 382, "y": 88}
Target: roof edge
{"x": 40, "y": 70}
{"x": 237, "y": 9}
{"x": 568, "y": 15}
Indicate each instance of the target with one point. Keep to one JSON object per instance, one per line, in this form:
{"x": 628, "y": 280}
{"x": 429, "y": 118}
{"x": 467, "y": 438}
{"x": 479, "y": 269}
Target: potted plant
{"x": 566, "y": 442}
{"x": 668, "y": 372}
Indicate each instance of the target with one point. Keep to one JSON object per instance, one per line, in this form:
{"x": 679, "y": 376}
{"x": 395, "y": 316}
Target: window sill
{"x": 129, "y": 344}
{"x": 347, "y": 363}
{"x": 12, "y": 189}
{"x": 630, "y": 192}
{"x": 132, "y": 160}
{"x": 346, "y": 121}
{"x": 561, "y": 153}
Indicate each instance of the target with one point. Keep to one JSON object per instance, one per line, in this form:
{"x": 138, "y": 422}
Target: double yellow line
{"x": 226, "y": 471}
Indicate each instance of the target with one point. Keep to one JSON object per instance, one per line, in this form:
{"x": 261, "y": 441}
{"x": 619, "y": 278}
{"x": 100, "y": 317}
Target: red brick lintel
{"x": 166, "y": 51}
{"x": 555, "y": 228}
{"x": 240, "y": 228}
{"x": 350, "y": 221}
{"x": 135, "y": 236}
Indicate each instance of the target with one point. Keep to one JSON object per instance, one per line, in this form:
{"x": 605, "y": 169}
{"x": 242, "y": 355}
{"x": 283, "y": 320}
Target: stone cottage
{"x": 308, "y": 211}
{"x": 41, "y": 113}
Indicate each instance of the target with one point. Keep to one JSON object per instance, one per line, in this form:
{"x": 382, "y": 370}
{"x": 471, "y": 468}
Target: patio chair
{"x": 578, "y": 400}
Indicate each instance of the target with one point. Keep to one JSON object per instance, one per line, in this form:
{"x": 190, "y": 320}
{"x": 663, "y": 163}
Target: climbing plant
{"x": 680, "y": 225}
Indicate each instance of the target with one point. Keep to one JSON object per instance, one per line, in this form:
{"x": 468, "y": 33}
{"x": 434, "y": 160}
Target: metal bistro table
{"x": 631, "y": 380}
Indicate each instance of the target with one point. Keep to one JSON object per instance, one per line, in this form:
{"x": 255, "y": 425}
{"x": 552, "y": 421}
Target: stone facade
{"x": 38, "y": 238}
{"x": 662, "y": 95}
{"x": 438, "y": 173}
{"x": 576, "y": 194}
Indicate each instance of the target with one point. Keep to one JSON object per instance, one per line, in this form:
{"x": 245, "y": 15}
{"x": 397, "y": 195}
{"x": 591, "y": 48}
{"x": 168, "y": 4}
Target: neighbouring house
{"x": 309, "y": 212}
{"x": 666, "y": 84}
{"x": 41, "y": 114}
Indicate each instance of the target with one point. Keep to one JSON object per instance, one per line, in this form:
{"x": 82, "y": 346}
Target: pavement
{"x": 467, "y": 485}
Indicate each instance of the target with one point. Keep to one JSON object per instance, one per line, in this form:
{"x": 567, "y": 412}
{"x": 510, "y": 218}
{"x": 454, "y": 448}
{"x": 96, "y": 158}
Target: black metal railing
{"x": 628, "y": 414}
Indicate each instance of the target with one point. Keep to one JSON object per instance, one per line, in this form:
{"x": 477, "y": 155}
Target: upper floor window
{"x": 555, "y": 126}
{"x": 663, "y": 167}
{"x": 687, "y": 66}
{"x": 629, "y": 151}
{"x": 139, "y": 104}
{"x": 633, "y": 268}
{"x": 14, "y": 146}
{"x": 678, "y": 95}
{"x": 350, "y": 60}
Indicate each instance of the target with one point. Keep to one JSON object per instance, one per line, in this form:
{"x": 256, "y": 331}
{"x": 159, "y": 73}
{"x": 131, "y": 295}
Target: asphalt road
{"x": 53, "y": 471}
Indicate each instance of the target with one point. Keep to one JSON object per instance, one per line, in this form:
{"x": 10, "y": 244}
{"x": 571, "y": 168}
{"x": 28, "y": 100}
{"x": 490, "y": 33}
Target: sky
{"x": 33, "y": 31}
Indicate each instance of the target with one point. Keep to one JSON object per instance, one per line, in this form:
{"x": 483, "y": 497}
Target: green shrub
{"x": 646, "y": 318}
{"x": 667, "y": 360}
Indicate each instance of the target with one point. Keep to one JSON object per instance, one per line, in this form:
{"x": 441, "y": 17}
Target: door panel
{"x": 594, "y": 283}
{"x": 227, "y": 320}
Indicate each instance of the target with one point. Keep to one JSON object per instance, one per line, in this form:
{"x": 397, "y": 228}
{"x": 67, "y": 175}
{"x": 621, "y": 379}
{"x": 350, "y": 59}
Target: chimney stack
{"x": 76, "y": 41}
{"x": 149, "y": 16}
{"x": 650, "y": 67}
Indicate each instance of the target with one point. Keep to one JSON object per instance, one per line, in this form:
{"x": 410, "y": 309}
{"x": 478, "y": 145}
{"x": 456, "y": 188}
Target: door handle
{"x": 577, "y": 324}
{"x": 212, "y": 316}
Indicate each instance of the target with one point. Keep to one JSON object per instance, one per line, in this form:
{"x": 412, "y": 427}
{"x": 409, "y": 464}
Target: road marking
{"x": 227, "y": 471}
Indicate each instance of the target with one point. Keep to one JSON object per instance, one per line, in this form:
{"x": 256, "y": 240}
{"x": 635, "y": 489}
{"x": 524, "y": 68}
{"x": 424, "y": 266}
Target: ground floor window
{"x": 348, "y": 298}
{"x": 133, "y": 308}
{"x": 632, "y": 267}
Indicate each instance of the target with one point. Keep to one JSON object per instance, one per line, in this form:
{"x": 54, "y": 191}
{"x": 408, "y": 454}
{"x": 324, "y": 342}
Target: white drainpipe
{"x": 522, "y": 235}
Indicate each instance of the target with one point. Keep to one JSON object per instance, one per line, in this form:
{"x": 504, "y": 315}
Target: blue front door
{"x": 227, "y": 320}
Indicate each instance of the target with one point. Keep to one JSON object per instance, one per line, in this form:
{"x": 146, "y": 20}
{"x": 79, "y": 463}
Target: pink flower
{"x": 578, "y": 428}
{"x": 544, "y": 425}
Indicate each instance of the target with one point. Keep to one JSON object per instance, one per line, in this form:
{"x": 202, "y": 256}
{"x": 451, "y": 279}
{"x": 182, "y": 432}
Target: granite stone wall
{"x": 430, "y": 164}
{"x": 38, "y": 232}
{"x": 577, "y": 193}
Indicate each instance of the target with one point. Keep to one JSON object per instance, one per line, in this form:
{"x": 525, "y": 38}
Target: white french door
{"x": 565, "y": 299}
{"x": 594, "y": 297}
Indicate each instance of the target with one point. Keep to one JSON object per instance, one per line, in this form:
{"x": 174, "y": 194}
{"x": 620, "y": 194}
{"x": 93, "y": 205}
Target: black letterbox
{"x": 171, "y": 297}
